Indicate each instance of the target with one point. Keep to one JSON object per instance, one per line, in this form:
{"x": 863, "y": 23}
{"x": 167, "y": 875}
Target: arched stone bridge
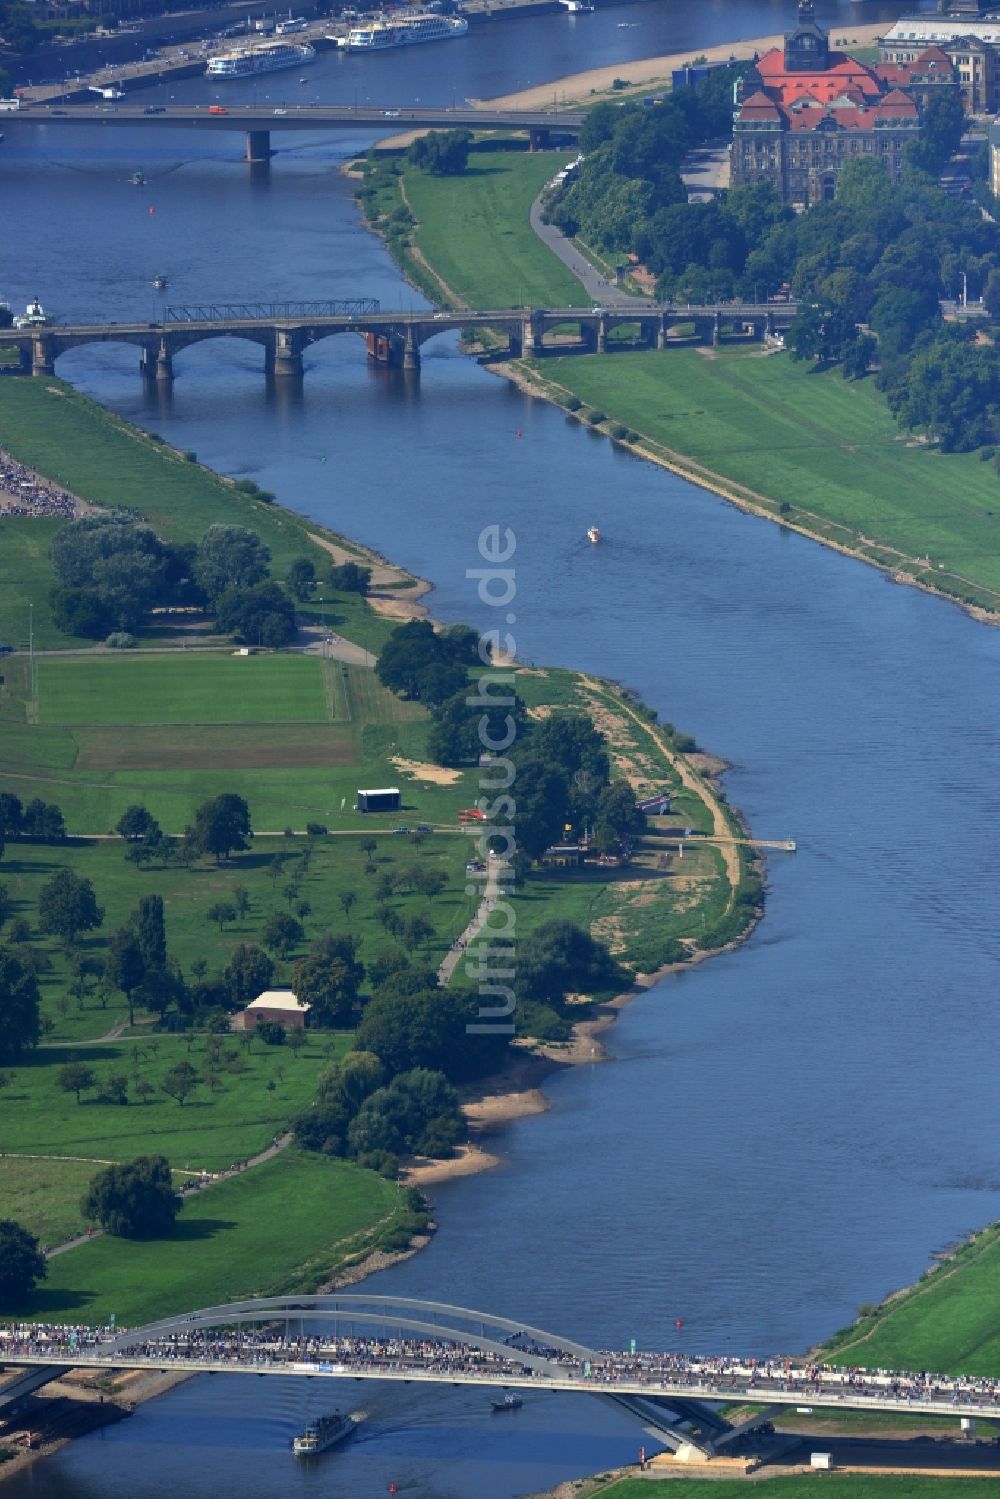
{"x": 396, "y": 338}
{"x": 369, "y": 1337}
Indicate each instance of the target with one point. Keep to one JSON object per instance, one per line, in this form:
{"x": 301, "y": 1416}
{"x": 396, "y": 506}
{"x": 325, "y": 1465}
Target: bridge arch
{"x": 435, "y": 1320}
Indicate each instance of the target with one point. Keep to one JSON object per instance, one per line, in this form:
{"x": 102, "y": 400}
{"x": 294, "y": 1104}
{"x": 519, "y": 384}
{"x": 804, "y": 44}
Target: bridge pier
{"x": 662, "y": 333}
{"x": 602, "y": 336}
{"x": 156, "y": 363}
{"x": 716, "y": 330}
{"x": 411, "y": 349}
{"x": 538, "y": 139}
{"x": 515, "y": 346}
{"x": 258, "y": 146}
{"x": 286, "y": 360}
{"x": 24, "y": 359}
{"x": 533, "y": 336}
{"x": 43, "y": 361}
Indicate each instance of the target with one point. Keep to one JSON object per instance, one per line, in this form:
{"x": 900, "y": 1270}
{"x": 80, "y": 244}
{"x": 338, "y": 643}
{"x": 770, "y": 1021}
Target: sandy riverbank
{"x": 578, "y": 87}
{"x": 394, "y": 592}
{"x": 78, "y": 1403}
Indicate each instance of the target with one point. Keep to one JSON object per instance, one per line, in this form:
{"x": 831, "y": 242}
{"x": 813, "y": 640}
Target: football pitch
{"x": 188, "y": 688}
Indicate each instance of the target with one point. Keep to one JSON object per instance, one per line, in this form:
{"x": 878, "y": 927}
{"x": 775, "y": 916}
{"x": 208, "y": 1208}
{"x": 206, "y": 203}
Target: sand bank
{"x": 579, "y": 86}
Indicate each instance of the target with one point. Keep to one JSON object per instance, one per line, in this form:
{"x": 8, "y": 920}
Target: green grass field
{"x": 45, "y": 1195}
{"x": 220, "y": 1123}
{"x": 103, "y": 459}
{"x": 826, "y": 447}
{"x": 187, "y": 688}
{"x": 225, "y": 1245}
{"x": 336, "y": 866}
{"x": 474, "y": 231}
{"x": 949, "y": 1321}
{"x": 800, "y": 1485}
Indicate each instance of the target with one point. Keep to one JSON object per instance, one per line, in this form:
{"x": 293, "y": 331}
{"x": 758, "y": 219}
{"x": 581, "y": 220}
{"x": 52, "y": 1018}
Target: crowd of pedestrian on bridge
{"x": 273, "y": 1347}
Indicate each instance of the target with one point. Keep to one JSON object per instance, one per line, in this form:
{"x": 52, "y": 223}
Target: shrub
{"x": 271, "y": 1032}
{"x": 120, "y": 640}
{"x": 619, "y": 433}
{"x": 573, "y": 403}
{"x": 191, "y": 457}
{"x": 596, "y": 416}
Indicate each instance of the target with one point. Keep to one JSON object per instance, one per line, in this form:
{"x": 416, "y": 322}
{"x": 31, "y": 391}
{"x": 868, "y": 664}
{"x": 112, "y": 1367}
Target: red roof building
{"x": 804, "y": 110}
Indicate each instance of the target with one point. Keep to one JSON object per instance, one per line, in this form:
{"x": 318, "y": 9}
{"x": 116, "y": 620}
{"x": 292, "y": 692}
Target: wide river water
{"x": 784, "y": 1132}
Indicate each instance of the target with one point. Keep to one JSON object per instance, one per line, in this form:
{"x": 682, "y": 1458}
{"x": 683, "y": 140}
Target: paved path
{"x": 494, "y": 873}
{"x": 602, "y": 293}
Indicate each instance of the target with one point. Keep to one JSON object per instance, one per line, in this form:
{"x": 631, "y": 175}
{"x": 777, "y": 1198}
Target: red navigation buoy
{"x": 151, "y": 208}
{"x": 678, "y": 1323}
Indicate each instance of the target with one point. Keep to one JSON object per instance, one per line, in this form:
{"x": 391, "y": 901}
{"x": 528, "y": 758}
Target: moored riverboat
{"x": 266, "y": 57}
{"x": 403, "y": 31}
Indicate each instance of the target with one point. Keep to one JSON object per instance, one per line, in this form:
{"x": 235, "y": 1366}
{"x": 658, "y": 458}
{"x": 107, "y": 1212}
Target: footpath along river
{"x": 782, "y": 1133}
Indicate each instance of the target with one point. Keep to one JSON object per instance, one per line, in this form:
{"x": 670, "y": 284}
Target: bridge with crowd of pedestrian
{"x": 369, "y": 1337}
{"x": 286, "y": 330}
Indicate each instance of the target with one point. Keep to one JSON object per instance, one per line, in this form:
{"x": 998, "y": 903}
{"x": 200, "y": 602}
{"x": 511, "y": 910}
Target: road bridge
{"x": 258, "y": 122}
{"x": 286, "y": 330}
{"x": 369, "y": 1337}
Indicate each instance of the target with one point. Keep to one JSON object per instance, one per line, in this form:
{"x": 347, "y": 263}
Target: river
{"x": 780, "y": 1134}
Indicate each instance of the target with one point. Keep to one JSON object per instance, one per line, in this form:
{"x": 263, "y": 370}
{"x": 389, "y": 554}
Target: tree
{"x": 179, "y": 1081}
{"x": 281, "y": 933}
{"x": 443, "y": 153}
{"x": 135, "y": 1200}
{"x": 229, "y": 557}
{"x": 428, "y": 1027}
{"x": 136, "y": 824}
{"x": 348, "y": 900}
{"x": 328, "y": 979}
{"x": 76, "y": 1078}
{"x": 302, "y": 577}
{"x": 222, "y": 826}
{"x": 618, "y": 819}
{"x": 271, "y": 1032}
{"x": 19, "y": 1007}
{"x": 418, "y": 1109}
{"x": 221, "y": 912}
{"x": 559, "y": 958}
{"x": 249, "y": 973}
{"x": 262, "y": 615}
{"x": 68, "y": 906}
{"x": 124, "y": 967}
{"x": 349, "y": 577}
{"x": 43, "y": 821}
{"x": 6, "y": 905}
{"x": 150, "y": 932}
{"x": 22, "y": 1264}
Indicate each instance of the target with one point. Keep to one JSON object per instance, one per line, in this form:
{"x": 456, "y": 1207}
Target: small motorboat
{"x": 160, "y": 282}
{"x": 508, "y": 1403}
{"x": 593, "y": 534}
{"x": 138, "y": 179}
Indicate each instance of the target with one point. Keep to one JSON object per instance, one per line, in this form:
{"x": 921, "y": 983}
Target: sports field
{"x": 185, "y": 687}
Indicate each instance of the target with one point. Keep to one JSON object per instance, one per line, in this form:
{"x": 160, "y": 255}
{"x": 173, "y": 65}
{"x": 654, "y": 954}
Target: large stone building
{"x": 971, "y": 44}
{"x": 805, "y": 109}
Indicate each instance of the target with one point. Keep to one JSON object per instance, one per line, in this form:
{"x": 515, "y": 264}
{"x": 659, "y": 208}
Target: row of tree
{"x": 632, "y": 158}
{"x": 111, "y": 569}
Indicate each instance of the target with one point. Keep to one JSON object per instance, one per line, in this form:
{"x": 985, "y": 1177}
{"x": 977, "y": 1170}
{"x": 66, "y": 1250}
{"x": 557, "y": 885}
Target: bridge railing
{"x": 221, "y": 312}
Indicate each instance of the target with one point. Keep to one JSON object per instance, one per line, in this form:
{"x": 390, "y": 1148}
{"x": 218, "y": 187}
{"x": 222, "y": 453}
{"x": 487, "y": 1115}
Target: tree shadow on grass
{"x": 197, "y": 1230}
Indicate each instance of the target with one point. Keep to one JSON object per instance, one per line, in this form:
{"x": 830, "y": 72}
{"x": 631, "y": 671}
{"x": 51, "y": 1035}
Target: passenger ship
{"x": 403, "y": 31}
{"x": 265, "y": 57}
